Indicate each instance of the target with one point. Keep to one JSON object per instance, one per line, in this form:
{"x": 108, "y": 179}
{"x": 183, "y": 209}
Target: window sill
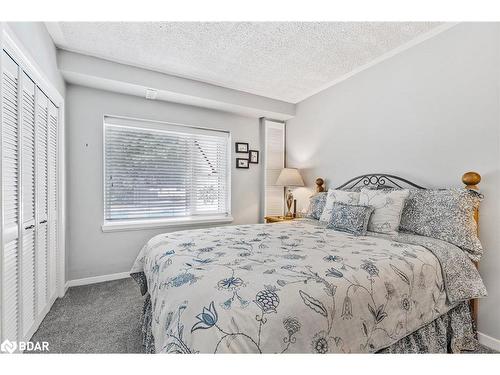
{"x": 163, "y": 223}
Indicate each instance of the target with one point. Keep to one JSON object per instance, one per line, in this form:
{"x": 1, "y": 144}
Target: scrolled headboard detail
{"x": 379, "y": 180}
{"x": 384, "y": 180}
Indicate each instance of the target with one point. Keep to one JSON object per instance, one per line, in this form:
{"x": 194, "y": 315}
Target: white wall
{"x": 428, "y": 114}
{"x": 35, "y": 38}
{"x": 91, "y": 252}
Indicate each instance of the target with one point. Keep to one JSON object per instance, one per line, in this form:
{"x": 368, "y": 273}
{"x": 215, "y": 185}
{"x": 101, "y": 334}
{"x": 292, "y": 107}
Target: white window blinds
{"x": 164, "y": 171}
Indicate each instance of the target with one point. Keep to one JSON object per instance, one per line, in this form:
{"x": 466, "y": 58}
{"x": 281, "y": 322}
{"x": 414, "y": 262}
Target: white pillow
{"x": 388, "y": 206}
{"x": 337, "y": 196}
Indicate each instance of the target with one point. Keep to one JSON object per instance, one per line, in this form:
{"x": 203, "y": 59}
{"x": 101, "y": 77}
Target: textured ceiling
{"x": 281, "y": 60}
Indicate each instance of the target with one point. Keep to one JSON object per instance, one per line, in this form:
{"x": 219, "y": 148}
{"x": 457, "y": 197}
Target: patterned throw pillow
{"x": 446, "y": 215}
{"x": 316, "y": 205}
{"x": 388, "y": 206}
{"x": 350, "y": 218}
{"x": 341, "y": 196}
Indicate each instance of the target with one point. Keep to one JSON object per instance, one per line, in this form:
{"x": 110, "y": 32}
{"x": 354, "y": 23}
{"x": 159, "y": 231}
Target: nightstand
{"x": 277, "y": 219}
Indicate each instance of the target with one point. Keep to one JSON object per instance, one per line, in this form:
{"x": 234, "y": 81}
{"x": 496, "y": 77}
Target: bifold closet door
{"x": 41, "y": 224}
{"x": 28, "y": 211}
{"x": 10, "y": 198}
{"x": 28, "y": 226}
{"x": 52, "y": 197}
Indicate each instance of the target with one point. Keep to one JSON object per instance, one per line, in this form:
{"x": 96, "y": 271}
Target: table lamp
{"x": 289, "y": 177}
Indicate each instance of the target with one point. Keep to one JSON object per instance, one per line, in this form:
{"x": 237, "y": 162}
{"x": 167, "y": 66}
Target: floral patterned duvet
{"x": 297, "y": 287}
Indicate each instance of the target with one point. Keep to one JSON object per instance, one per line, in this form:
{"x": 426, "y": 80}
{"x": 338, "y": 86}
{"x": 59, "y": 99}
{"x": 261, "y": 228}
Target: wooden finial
{"x": 319, "y": 185}
{"x": 471, "y": 180}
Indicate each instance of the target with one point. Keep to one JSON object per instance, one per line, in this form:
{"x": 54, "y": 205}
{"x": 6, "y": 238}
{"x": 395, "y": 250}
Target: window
{"x": 159, "y": 173}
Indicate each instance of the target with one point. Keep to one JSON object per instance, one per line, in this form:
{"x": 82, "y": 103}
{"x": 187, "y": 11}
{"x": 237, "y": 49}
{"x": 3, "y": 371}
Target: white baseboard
{"x": 489, "y": 341}
{"x": 97, "y": 279}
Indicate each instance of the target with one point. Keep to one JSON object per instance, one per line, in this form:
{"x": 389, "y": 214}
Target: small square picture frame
{"x": 241, "y": 148}
{"x": 242, "y": 163}
{"x": 253, "y": 156}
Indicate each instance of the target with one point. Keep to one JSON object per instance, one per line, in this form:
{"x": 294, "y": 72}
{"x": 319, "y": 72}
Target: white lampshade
{"x": 289, "y": 177}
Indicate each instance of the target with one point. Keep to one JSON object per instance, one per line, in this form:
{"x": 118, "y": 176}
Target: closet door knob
{"x": 43, "y": 221}
{"x": 29, "y": 227}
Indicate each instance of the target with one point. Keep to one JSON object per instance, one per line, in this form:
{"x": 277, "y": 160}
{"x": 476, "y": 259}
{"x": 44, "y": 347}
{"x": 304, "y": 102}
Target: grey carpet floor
{"x": 97, "y": 318}
{"x": 100, "y": 318}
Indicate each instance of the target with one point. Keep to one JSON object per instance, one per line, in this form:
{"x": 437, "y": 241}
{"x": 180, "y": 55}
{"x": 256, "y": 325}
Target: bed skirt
{"x": 148, "y": 341}
{"x": 450, "y": 333}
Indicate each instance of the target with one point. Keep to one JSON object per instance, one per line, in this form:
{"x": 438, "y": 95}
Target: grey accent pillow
{"x": 316, "y": 205}
{"x": 388, "y": 204}
{"x": 444, "y": 214}
{"x": 341, "y": 196}
{"x": 350, "y": 218}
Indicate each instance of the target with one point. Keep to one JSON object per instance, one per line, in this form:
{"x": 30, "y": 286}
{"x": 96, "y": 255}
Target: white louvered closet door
{"x": 52, "y": 196}
{"x": 29, "y": 200}
{"x": 10, "y": 198}
{"x": 28, "y": 203}
{"x": 41, "y": 173}
{"x": 274, "y": 161}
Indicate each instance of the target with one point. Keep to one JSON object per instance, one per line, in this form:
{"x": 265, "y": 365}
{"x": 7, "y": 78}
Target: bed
{"x": 300, "y": 287}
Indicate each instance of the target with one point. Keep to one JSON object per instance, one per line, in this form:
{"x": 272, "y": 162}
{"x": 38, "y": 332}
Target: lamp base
{"x": 289, "y": 201}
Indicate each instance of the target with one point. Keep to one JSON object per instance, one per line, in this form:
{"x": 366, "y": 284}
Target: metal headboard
{"x": 380, "y": 181}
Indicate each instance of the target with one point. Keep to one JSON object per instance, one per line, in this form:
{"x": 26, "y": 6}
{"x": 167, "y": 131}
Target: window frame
{"x": 156, "y": 223}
